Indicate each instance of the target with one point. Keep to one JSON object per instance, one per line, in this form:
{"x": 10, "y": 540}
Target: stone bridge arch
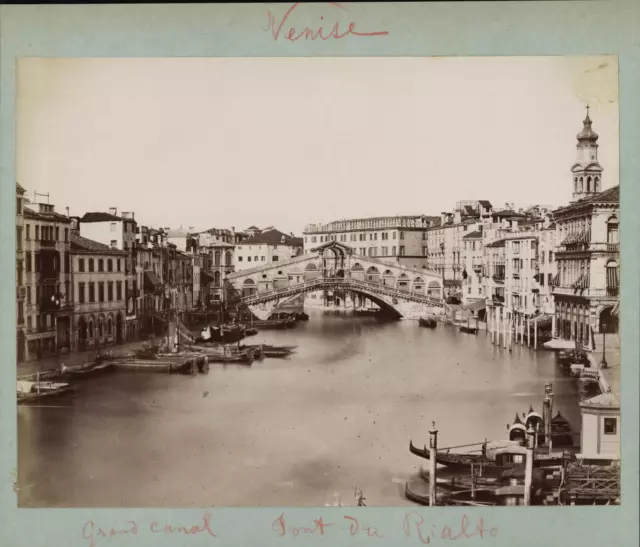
{"x": 335, "y": 267}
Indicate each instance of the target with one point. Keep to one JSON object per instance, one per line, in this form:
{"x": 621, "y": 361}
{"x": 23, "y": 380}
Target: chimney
{"x": 67, "y": 208}
{"x": 113, "y": 211}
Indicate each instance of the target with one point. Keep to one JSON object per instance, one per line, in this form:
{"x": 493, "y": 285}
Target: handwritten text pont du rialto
{"x": 414, "y": 526}
{"x": 323, "y": 30}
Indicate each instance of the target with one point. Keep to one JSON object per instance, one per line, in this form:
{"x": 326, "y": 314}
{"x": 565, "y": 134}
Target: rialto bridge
{"x": 335, "y": 267}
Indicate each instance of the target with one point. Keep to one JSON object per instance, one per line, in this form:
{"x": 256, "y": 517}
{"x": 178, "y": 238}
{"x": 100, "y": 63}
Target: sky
{"x": 222, "y": 142}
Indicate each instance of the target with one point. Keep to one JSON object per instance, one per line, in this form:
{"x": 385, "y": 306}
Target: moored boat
{"x": 486, "y": 462}
{"x": 28, "y": 391}
{"x": 87, "y": 370}
{"x": 428, "y": 322}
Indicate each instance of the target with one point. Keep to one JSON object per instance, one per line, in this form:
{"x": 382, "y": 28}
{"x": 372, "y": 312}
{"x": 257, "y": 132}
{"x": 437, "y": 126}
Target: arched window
{"x": 596, "y": 184}
{"x": 581, "y": 184}
{"x": 217, "y": 258}
{"x": 227, "y": 259}
{"x": 612, "y": 230}
{"x": 613, "y": 277}
{"x": 588, "y": 184}
{"x": 216, "y": 279}
{"x": 100, "y": 328}
{"x": 109, "y": 326}
{"x": 90, "y": 329}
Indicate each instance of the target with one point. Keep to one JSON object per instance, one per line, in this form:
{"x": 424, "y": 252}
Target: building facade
{"x": 99, "y": 296}
{"x": 47, "y": 281}
{"x": 21, "y": 339}
{"x": 266, "y": 247}
{"x": 397, "y": 240}
{"x": 118, "y": 232}
{"x": 472, "y": 263}
{"x": 587, "y": 283}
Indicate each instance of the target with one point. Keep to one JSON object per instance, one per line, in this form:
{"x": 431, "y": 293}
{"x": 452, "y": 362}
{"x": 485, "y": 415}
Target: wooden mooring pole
{"x": 433, "y": 448}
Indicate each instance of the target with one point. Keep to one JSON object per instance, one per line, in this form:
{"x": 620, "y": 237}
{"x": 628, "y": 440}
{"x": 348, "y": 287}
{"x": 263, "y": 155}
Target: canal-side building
{"x": 218, "y": 265}
{"x": 99, "y": 280}
{"x": 445, "y": 247}
{"x": 21, "y": 338}
{"x": 472, "y": 264}
{"x": 399, "y": 240}
{"x": 47, "y": 281}
{"x": 587, "y": 283}
{"x": 267, "y": 246}
{"x": 118, "y": 231}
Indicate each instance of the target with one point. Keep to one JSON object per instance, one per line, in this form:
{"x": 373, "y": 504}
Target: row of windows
{"x": 101, "y": 264}
{"x": 46, "y": 233}
{"x": 91, "y": 297}
{"x": 373, "y": 236}
{"x": 257, "y": 258}
{"x": 384, "y": 251}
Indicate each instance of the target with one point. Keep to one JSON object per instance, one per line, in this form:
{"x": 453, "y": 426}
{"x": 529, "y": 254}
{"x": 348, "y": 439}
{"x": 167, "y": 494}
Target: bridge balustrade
{"x": 350, "y": 282}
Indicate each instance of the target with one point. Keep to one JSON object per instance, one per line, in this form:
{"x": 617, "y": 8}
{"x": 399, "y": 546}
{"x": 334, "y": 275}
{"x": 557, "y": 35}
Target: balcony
{"x": 40, "y": 332}
{"x": 613, "y": 247}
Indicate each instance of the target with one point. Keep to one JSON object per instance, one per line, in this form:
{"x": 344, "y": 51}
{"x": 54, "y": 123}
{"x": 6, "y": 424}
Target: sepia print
{"x": 318, "y": 282}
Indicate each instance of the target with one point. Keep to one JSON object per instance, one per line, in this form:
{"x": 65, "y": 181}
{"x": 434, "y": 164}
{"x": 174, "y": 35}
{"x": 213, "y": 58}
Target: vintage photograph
{"x": 317, "y": 281}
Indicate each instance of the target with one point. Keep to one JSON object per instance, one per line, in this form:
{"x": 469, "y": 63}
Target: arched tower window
{"x": 596, "y": 184}
{"x": 588, "y": 184}
{"x": 575, "y": 184}
{"x": 581, "y": 185}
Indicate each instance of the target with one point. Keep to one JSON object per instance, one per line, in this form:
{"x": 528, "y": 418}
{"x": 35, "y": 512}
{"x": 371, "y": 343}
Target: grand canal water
{"x": 297, "y": 432}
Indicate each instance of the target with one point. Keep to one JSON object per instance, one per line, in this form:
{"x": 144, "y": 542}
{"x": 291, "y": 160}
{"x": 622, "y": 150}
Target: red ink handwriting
{"x": 314, "y": 33}
{"x": 414, "y": 523}
{"x": 280, "y": 527}
{"x": 319, "y": 527}
{"x": 355, "y": 528}
{"x": 92, "y": 532}
{"x": 205, "y": 527}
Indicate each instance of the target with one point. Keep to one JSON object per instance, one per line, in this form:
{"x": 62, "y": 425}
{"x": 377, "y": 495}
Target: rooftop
{"x": 100, "y": 217}
{"x": 604, "y": 400}
{"x": 474, "y": 235}
{"x": 272, "y": 237}
{"x": 49, "y": 216}
{"x": 85, "y": 245}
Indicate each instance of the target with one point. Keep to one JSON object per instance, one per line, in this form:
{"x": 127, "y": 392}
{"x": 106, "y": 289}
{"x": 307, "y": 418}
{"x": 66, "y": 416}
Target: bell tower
{"x": 587, "y": 172}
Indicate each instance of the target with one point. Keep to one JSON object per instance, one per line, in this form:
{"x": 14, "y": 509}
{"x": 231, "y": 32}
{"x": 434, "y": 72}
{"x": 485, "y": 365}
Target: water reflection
{"x": 301, "y": 431}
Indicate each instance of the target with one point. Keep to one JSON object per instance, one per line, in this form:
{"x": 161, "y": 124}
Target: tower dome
{"x": 587, "y": 134}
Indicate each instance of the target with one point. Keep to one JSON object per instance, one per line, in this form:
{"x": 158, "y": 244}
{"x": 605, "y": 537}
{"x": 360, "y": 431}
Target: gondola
{"x": 87, "y": 370}
{"x": 28, "y": 392}
{"x": 463, "y": 462}
{"x": 429, "y": 323}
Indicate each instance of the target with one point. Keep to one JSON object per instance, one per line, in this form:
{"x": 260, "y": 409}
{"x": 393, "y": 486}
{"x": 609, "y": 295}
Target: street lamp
{"x": 603, "y": 362}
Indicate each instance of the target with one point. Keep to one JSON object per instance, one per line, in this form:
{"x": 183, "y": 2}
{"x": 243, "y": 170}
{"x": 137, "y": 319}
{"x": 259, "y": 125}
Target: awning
{"x": 577, "y": 237}
{"x": 151, "y": 281}
{"x": 477, "y": 305}
{"x": 583, "y": 281}
{"x": 559, "y": 343}
{"x": 613, "y": 282}
{"x": 206, "y": 277}
{"x": 540, "y": 319}
{"x": 616, "y": 309}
